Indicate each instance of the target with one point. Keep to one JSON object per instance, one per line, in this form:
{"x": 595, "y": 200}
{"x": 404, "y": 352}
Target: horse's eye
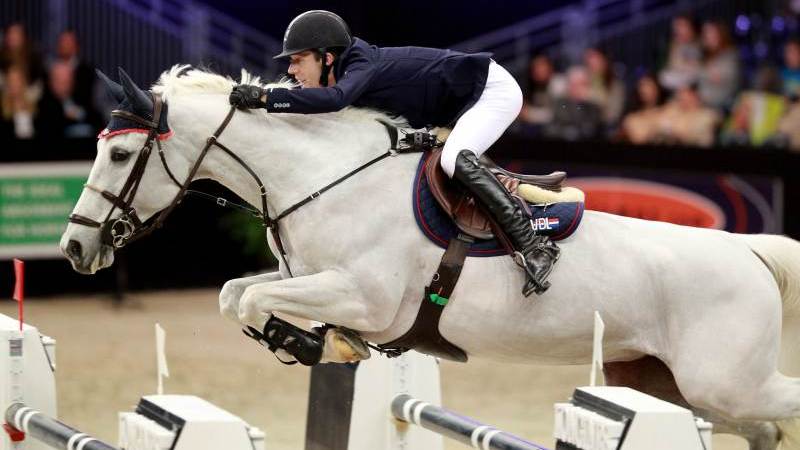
{"x": 119, "y": 155}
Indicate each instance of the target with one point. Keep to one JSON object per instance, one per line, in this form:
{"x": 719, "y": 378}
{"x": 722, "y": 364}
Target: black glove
{"x": 245, "y": 96}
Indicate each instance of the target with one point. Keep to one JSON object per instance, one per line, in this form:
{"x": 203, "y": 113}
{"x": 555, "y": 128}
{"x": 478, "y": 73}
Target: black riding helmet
{"x": 316, "y": 30}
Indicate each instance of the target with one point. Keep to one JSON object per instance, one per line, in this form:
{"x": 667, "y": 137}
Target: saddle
{"x": 459, "y": 204}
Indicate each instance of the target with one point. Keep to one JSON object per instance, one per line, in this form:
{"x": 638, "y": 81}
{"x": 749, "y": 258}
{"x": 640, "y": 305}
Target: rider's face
{"x": 305, "y": 68}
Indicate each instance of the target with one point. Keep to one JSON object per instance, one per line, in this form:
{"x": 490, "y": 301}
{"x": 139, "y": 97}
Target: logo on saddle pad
{"x": 544, "y": 223}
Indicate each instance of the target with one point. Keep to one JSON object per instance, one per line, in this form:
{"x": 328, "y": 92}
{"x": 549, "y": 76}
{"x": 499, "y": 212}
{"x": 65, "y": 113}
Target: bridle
{"x": 128, "y": 227}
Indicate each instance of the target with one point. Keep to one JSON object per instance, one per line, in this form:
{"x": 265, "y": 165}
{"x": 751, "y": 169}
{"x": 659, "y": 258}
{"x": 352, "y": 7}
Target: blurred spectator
{"x": 757, "y": 113}
{"x": 544, "y": 87}
{"x": 68, "y": 51}
{"x": 685, "y": 55}
{"x": 719, "y": 77}
{"x": 60, "y": 112}
{"x": 641, "y": 124}
{"x": 790, "y": 75}
{"x": 18, "y": 51}
{"x": 576, "y": 117}
{"x": 606, "y": 90}
{"x": 17, "y": 107}
{"x": 789, "y": 127}
{"x": 685, "y": 120}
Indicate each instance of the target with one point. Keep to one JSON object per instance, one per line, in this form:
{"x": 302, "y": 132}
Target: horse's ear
{"x": 184, "y": 70}
{"x": 112, "y": 87}
{"x": 139, "y": 99}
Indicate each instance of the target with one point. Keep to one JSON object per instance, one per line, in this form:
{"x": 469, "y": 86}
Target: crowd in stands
{"x": 46, "y": 95}
{"x": 699, "y": 97}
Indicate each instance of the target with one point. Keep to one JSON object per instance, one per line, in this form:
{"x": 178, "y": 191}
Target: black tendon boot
{"x": 534, "y": 253}
{"x": 304, "y": 346}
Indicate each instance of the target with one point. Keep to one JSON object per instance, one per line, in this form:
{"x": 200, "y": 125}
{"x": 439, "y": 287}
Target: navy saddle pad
{"x": 557, "y": 220}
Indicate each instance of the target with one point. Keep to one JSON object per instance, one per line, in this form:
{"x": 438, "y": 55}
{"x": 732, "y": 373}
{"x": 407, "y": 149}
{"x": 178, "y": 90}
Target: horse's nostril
{"x": 74, "y": 249}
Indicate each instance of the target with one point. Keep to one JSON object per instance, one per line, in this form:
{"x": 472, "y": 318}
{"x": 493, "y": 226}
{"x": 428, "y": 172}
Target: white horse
{"x": 707, "y": 303}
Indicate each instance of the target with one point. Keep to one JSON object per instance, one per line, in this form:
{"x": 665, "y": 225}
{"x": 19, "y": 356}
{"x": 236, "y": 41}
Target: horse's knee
{"x": 250, "y": 310}
{"x": 229, "y": 299}
{"x": 226, "y": 310}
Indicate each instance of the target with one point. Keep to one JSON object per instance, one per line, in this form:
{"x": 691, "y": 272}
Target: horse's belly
{"x": 489, "y": 317}
{"x": 640, "y": 276}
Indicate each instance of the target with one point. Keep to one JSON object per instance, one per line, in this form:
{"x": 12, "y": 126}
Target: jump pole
{"x": 455, "y": 426}
{"x": 50, "y": 431}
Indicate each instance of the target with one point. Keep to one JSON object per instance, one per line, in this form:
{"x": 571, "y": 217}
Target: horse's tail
{"x": 782, "y": 256}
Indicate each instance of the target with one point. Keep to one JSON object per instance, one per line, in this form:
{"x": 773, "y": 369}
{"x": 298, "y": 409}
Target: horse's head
{"x": 127, "y": 184}
{"x": 130, "y": 184}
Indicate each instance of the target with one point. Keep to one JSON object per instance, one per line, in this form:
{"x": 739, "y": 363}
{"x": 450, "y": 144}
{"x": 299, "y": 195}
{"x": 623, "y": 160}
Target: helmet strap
{"x": 326, "y": 68}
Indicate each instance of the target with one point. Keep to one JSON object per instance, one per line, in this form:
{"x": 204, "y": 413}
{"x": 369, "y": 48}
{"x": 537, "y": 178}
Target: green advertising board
{"x": 35, "y": 201}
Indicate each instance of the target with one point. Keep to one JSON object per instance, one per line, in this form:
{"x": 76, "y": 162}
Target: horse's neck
{"x": 293, "y": 155}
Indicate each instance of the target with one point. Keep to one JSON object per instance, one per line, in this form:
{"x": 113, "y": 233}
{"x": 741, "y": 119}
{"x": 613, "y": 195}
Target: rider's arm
{"x": 348, "y": 89}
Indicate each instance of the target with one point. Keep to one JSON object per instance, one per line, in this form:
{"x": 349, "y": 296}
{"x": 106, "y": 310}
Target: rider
{"x": 428, "y": 87}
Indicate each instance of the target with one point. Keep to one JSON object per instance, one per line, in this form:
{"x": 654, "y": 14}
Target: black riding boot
{"x": 536, "y": 254}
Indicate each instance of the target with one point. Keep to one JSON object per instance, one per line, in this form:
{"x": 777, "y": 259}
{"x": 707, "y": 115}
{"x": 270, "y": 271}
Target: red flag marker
{"x": 19, "y": 287}
{"x": 14, "y": 434}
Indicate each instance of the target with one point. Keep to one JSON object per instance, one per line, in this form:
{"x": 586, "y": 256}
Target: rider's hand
{"x": 245, "y": 96}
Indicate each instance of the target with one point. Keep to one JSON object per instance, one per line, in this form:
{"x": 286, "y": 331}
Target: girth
{"x": 424, "y": 335}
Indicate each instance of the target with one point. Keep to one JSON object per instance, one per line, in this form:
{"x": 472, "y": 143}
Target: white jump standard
{"x": 185, "y": 422}
{"x": 620, "y": 418}
{"x": 161, "y": 422}
{"x": 51, "y": 431}
{"x": 456, "y": 426}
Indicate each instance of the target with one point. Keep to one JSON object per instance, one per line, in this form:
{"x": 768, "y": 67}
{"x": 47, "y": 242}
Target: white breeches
{"x": 480, "y": 126}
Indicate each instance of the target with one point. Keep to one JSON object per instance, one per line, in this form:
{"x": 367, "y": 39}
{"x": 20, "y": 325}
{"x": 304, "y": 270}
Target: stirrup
{"x": 531, "y": 284}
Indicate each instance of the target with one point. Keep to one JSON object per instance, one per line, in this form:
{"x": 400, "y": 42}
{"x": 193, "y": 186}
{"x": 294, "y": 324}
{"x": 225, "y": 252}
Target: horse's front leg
{"x": 233, "y": 289}
{"x": 331, "y": 297}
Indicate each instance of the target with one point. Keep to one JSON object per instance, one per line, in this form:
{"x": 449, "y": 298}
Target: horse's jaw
{"x": 101, "y": 260}
{"x": 94, "y": 255}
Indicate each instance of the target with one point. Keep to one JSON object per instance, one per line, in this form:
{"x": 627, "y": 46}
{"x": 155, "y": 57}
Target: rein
{"x": 128, "y": 227}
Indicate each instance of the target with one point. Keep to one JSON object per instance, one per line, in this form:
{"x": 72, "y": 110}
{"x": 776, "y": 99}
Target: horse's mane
{"x": 183, "y": 79}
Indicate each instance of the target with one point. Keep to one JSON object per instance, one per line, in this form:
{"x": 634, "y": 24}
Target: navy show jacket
{"x": 427, "y": 86}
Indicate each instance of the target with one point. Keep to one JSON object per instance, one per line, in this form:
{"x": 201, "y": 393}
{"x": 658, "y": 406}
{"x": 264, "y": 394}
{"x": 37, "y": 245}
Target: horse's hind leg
{"x": 653, "y": 377}
{"x": 725, "y": 355}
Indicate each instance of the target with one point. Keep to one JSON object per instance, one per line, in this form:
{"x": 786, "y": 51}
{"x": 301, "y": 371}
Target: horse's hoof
{"x": 342, "y": 345}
